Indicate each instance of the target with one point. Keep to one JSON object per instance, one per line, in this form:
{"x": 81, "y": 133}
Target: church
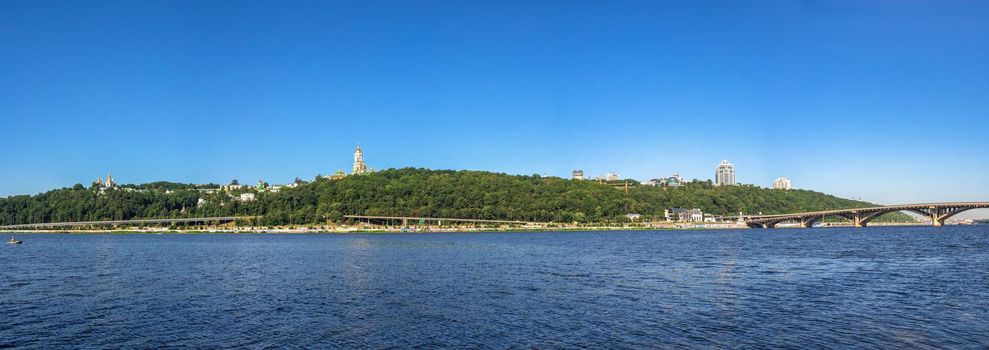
{"x": 108, "y": 184}
{"x": 360, "y": 168}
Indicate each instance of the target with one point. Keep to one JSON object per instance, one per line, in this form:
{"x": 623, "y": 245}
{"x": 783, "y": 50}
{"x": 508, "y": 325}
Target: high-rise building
{"x": 359, "y": 167}
{"x": 724, "y": 175}
{"x": 578, "y": 174}
{"x": 782, "y": 184}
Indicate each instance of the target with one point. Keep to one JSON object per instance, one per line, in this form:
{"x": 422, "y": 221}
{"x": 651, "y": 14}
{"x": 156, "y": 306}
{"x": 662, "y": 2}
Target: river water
{"x": 892, "y": 287}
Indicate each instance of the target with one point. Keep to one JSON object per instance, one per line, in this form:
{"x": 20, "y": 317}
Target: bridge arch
{"x": 867, "y": 217}
{"x": 938, "y": 215}
{"x": 803, "y": 220}
{"x": 942, "y": 215}
{"x": 810, "y": 220}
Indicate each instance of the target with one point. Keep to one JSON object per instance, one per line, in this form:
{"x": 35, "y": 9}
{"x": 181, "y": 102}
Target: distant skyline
{"x": 887, "y": 102}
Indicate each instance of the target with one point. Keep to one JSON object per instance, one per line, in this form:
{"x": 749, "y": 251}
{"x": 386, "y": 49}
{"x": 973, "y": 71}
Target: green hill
{"x": 416, "y": 192}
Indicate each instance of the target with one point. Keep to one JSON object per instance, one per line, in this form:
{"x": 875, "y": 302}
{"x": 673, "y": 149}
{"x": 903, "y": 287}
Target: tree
{"x": 418, "y": 192}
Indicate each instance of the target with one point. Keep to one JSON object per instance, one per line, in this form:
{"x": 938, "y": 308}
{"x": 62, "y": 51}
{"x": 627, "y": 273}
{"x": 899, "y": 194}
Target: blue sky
{"x": 887, "y": 101}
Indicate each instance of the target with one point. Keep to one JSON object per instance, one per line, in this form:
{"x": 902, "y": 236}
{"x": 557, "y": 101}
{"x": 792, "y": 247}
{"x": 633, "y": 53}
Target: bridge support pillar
{"x": 808, "y": 223}
{"x": 936, "y": 214}
{"x": 859, "y": 219}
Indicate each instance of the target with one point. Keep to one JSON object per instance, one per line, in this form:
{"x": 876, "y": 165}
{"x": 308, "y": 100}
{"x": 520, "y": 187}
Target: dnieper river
{"x": 826, "y": 288}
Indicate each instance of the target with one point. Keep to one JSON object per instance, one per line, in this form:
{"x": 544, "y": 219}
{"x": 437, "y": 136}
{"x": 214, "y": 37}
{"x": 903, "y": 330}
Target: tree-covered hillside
{"x": 414, "y": 192}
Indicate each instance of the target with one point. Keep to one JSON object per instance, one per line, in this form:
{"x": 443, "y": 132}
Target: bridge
{"x": 860, "y": 217}
{"x": 219, "y": 219}
{"x": 405, "y": 219}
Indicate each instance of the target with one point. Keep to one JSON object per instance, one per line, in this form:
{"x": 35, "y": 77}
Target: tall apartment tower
{"x": 724, "y": 175}
{"x": 782, "y": 184}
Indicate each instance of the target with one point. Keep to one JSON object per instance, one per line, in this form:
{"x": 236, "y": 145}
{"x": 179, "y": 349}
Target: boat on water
{"x": 13, "y": 241}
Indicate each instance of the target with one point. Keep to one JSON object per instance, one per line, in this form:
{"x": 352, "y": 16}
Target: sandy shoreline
{"x": 367, "y": 229}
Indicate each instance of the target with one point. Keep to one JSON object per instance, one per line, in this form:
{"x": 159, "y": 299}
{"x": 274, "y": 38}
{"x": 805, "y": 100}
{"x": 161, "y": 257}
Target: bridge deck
{"x": 128, "y": 222}
{"x": 414, "y": 218}
{"x": 887, "y": 207}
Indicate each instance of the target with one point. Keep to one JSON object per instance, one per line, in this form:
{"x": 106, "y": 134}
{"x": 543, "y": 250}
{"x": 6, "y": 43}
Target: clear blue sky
{"x": 887, "y": 101}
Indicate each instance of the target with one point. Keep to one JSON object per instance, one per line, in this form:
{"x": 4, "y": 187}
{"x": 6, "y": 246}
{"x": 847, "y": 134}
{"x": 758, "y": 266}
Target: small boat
{"x": 13, "y": 241}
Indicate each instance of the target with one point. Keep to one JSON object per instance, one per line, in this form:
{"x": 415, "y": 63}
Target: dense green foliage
{"x": 415, "y": 192}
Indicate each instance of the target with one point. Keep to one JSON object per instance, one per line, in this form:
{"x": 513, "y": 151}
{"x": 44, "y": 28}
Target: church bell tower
{"x": 360, "y": 168}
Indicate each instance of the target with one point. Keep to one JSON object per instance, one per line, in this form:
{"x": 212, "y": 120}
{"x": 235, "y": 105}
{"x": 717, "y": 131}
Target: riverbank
{"x": 427, "y": 229}
{"x": 344, "y": 230}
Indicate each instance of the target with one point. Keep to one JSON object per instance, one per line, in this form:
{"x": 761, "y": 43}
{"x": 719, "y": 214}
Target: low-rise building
{"x": 298, "y": 182}
{"x": 673, "y": 181}
{"x": 684, "y": 215}
{"x": 695, "y": 215}
{"x": 577, "y": 175}
{"x": 673, "y": 214}
{"x": 247, "y": 197}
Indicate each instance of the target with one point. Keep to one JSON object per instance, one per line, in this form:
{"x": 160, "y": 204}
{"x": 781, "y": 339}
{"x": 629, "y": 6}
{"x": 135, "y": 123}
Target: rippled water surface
{"x": 913, "y": 287}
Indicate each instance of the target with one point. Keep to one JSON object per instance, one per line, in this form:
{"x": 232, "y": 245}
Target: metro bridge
{"x": 860, "y": 217}
{"x": 405, "y": 220}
